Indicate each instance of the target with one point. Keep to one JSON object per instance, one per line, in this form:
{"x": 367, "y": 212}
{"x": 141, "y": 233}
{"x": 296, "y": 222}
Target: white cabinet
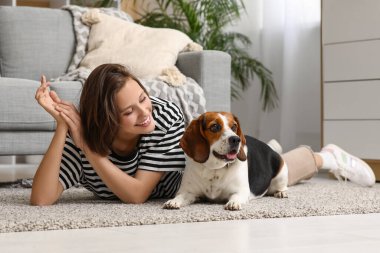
{"x": 350, "y": 20}
{"x": 351, "y": 77}
{"x": 349, "y": 61}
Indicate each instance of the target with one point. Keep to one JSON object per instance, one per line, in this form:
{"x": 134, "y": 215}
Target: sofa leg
{"x": 12, "y": 170}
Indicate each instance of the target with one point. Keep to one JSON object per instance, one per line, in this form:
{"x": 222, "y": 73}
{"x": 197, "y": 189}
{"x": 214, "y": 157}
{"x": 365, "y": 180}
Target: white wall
{"x": 292, "y": 52}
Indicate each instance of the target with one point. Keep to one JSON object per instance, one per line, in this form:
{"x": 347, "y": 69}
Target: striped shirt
{"x": 156, "y": 151}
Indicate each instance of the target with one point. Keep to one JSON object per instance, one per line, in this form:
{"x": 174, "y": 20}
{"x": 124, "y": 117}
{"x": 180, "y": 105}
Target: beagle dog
{"x": 224, "y": 165}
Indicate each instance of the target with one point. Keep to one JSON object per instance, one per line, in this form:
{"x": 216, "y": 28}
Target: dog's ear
{"x": 241, "y": 155}
{"x": 193, "y": 143}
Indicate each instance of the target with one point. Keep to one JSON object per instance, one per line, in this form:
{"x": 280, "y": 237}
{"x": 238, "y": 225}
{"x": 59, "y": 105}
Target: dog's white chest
{"x": 213, "y": 184}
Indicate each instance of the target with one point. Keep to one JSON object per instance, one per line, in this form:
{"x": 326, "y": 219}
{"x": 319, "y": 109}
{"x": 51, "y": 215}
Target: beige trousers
{"x": 301, "y": 164}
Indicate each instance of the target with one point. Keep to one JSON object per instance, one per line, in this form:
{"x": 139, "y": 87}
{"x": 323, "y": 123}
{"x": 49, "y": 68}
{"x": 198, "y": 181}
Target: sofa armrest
{"x": 212, "y": 71}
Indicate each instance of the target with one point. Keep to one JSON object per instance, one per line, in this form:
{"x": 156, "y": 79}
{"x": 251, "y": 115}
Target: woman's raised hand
{"x": 48, "y": 99}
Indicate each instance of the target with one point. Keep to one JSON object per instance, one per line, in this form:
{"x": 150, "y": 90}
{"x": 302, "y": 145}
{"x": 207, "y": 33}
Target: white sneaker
{"x": 275, "y": 146}
{"x": 350, "y": 167}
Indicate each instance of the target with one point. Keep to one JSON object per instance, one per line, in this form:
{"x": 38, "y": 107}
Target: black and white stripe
{"x": 157, "y": 151}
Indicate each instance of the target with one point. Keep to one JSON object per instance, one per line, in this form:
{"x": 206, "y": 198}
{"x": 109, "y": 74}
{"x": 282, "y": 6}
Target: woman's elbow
{"x": 136, "y": 200}
{"x": 44, "y": 197}
{"x": 36, "y": 200}
{"x": 40, "y": 202}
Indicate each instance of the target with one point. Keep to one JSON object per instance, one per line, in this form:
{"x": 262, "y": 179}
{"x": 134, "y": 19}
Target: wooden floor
{"x": 351, "y": 233}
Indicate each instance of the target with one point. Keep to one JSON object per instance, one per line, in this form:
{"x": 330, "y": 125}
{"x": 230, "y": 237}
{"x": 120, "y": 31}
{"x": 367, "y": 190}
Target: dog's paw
{"x": 281, "y": 195}
{"x": 172, "y": 204}
{"x": 233, "y": 205}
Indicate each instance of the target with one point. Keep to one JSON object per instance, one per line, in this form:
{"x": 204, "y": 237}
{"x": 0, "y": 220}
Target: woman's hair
{"x": 99, "y": 112}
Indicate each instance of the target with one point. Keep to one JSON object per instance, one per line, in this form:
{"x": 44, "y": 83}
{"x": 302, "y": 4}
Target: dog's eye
{"x": 215, "y": 128}
{"x": 234, "y": 127}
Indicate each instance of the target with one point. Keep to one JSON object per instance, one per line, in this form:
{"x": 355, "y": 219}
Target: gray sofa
{"x": 38, "y": 40}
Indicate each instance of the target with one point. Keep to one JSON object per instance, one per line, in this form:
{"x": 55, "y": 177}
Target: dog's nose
{"x": 234, "y": 140}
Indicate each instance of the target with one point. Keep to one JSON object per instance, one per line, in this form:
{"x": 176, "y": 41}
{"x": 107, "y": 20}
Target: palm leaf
{"x": 204, "y": 21}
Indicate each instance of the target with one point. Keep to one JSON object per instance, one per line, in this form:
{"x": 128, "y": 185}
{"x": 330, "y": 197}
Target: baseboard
{"x": 375, "y": 165}
{"x": 14, "y": 172}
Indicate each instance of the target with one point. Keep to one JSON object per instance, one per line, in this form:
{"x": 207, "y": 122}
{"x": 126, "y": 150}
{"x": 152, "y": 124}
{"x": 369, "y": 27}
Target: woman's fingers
{"x": 68, "y": 106}
{"x": 69, "y": 116}
{"x": 43, "y": 79}
{"x": 39, "y": 93}
{"x": 66, "y": 103}
{"x": 55, "y": 97}
{"x": 44, "y": 83}
{"x": 75, "y": 129}
{"x": 37, "y": 96}
{"x": 43, "y": 89}
{"x": 69, "y": 112}
{"x": 71, "y": 124}
{"x": 68, "y": 120}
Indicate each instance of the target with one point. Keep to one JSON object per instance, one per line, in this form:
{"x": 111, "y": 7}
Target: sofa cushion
{"x": 82, "y": 31}
{"x": 35, "y": 41}
{"x": 19, "y": 111}
{"x": 147, "y": 52}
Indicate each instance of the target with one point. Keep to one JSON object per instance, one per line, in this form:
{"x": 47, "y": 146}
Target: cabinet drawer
{"x": 352, "y": 100}
{"x": 361, "y": 138}
{"x": 352, "y": 61}
{"x": 350, "y": 20}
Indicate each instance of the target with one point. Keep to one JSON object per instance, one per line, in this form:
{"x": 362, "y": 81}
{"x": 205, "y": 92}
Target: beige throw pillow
{"x": 147, "y": 52}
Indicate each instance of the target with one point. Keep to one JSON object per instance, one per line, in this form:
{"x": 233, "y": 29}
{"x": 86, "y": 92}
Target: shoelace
{"x": 338, "y": 172}
{"x": 338, "y": 175}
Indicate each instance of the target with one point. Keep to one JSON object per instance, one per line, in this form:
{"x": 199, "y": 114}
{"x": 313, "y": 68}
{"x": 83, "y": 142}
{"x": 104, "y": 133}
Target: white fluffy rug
{"x": 79, "y": 209}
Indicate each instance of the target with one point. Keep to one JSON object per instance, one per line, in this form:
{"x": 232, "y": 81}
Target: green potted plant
{"x": 205, "y": 22}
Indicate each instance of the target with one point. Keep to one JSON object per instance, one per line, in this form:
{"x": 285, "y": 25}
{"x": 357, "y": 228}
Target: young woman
{"x": 124, "y": 144}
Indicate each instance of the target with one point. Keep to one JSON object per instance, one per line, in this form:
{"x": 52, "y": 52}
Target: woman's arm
{"x": 46, "y": 187}
{"x": 128, "y": 189}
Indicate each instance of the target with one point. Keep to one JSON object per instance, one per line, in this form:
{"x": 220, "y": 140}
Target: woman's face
{"x": 136, "y": 110}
